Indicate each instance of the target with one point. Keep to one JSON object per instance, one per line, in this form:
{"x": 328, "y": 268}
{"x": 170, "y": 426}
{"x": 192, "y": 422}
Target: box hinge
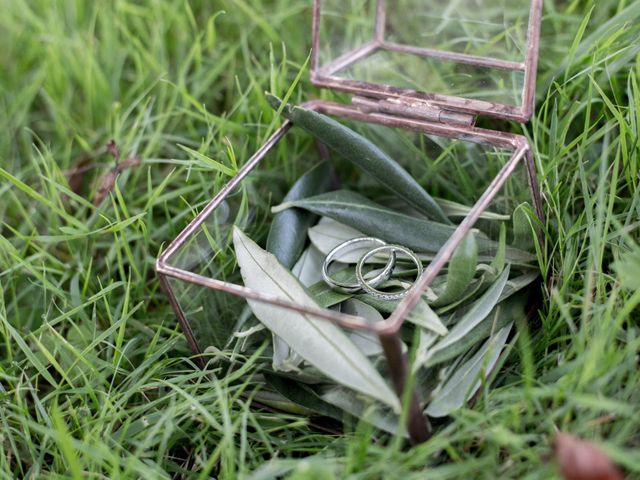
{"x": 409, "y": 107}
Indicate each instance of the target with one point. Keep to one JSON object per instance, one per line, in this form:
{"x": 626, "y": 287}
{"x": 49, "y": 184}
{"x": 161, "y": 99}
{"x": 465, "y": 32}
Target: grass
{"x": 95, "y": 376}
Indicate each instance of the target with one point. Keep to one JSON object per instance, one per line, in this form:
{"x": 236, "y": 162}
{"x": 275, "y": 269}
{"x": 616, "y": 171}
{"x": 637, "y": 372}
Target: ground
{"x": 96, "y": 379}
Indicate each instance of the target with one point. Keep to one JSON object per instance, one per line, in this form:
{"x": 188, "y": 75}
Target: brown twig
{"x": 107, "y": 181}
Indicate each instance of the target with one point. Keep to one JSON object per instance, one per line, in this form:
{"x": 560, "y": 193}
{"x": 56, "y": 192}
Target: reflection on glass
{"x": 403, "y": 46}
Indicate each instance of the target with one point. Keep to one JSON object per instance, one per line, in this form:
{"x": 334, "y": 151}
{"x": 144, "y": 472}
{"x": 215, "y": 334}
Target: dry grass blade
{"x": 107, "y": 181}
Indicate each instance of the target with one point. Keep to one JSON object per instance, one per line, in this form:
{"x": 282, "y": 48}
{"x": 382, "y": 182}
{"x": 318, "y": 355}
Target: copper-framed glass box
{"x": 420, "y": 71}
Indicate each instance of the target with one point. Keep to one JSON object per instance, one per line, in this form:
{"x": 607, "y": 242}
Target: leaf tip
{"x": 238, "y": 235}
{"x": 277, "y": 104}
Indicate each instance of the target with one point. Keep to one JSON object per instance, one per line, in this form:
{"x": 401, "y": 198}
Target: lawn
{"x": 96, "y": 379}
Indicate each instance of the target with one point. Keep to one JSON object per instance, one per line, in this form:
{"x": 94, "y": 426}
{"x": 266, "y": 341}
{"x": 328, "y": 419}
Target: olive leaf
{"x": 364, "y": 215}
{"x": 367, "y": 342}
{"x": 287, "y": 237}
{"x": 464, "y": 382}
{"x": 364, "y": 154}
{"x": 461, "y": 270}
{"x": 308, "y": 268}
{"x": 327, "y": 234}
{"x": 357, "y": 211}
{"x": 477, "y": 312}
{"x": 284, "y": 359}
{"x": 302, "y": 395}
{"x": 450, "y": 208}
{"x": 325, "y": 296}
{"x": 288, "y": 232}
{"x": 355, "y": 405}
{"x": 422, "y": 315}
{"x": 502, "y": 314}
{"x": 515, "y": 284}
{"x": 319, "y": 342}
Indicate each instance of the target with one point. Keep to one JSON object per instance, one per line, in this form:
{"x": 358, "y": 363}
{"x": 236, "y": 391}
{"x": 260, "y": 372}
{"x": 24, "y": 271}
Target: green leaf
{"x": 503, "y": 313}
{"x": 384, "y": 306}
{"x": 355, "y": 405}
{"x": 460, "y": 272}
{"x": 423, "y": 316}
{"x": 308, "y": 268}
{"x": 284, "y": 359}
{"x": 500, "y": 258}
{"x": 288, "y": 232}
{"x": 523, "y": 231}
{"x": 208, "y": 162}
{"x": 627, "y": 269}
{"x": 287, "y": 237}
{"x": 325, "y": 296}
{"x": 464, "y": 382}
{"x": 454, "y": 209}
{"x": 328, "y": 234}
{"x": 319, "y": 342}
{"x": 302, "y": 395}
{"x": 478, "y": 311}
{"x": 368, "y": 217}
{"x": 516, "y": 284}
{"x": 364, "y": 154}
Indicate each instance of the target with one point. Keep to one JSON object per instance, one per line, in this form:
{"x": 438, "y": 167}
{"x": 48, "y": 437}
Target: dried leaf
{"x": 75, "y": 176}
{"x": 107, "y": 181}
{"x": 319, "y": 342}
{"x": 582, "y": 460}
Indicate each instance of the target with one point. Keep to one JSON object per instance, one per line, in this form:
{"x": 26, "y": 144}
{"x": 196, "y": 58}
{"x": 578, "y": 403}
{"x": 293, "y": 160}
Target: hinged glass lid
{"x": 471, "y": 56}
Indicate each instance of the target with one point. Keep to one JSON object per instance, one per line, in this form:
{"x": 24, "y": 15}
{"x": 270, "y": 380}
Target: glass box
{"x": 420, "y": 72}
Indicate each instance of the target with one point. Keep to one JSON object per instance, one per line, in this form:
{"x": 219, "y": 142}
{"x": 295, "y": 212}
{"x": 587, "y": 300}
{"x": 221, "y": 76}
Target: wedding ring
{"x": 369, "y": 287}
{"x": 347, "y": 246}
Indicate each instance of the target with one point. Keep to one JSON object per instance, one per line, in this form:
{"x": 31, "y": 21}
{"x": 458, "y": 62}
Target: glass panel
{"x": 454, "y": 171}
{"x": 404, "y": 48}
{"x": 485, "y": 28}
{"x": 405, "y": 70}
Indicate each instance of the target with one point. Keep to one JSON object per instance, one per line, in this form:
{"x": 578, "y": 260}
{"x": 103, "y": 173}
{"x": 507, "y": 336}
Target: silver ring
{"x": 368, "y": 287}
{"x": 345, "y": 287}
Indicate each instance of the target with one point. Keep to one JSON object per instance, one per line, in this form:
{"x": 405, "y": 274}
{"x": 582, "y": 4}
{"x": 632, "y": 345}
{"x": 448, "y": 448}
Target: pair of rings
{"x": 369, "y": 285}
